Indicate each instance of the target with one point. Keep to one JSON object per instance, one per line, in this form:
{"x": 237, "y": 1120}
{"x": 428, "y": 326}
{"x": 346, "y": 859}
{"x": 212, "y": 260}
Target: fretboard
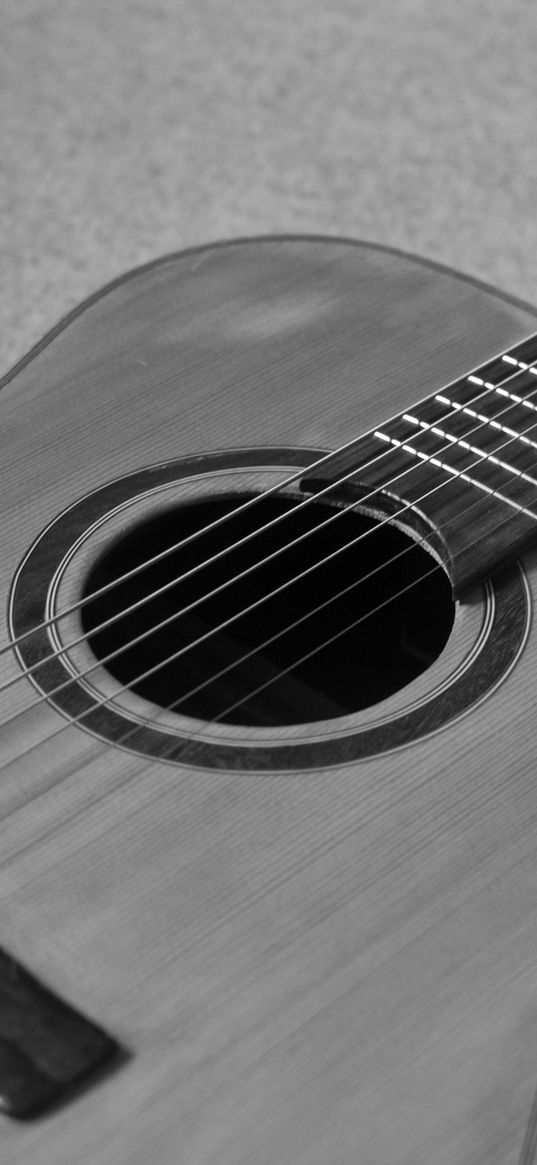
{"x": 465, "y": 457}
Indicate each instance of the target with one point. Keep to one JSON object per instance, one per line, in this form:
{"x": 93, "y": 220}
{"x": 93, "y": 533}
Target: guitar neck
{"x": 465, "y": 456}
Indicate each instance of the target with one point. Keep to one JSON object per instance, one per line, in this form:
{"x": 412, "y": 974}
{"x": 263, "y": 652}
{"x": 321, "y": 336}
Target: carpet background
{"x": 136, "y": 127}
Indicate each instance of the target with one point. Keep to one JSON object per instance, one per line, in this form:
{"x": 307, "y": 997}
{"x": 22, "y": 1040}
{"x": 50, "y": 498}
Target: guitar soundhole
{"x": 238, "y": 640}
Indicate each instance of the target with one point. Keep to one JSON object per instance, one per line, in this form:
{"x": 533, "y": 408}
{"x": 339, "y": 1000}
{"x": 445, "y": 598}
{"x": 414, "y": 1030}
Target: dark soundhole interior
{"x": 371, "y": 611}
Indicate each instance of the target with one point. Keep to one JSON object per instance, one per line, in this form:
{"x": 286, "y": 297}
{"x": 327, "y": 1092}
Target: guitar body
{"x": 311, "y": 951}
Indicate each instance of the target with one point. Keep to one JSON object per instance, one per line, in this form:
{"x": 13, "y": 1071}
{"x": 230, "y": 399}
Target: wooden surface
{"x": 329, "y": 966}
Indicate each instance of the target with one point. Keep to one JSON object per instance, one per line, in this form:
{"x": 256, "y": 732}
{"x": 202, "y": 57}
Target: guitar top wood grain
{"x": 333, "y": 963}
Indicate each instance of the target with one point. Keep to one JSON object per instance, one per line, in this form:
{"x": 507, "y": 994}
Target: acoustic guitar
{"x": 268, "y": 791}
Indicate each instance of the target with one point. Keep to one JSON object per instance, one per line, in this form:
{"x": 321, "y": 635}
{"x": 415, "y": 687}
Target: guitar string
{"x": 55, "y": 619}
{"x": 199, "y": 726}
{"x": 332, "y": 486}
{"x": 102, "y": 744}
{"x": 481, "y": 457}
{"x": 107, "y": 700}
{"x": 302, "y": 659}
{"x": 291, "y": 627}
{"x": 185, "y": 610}
{"x": 522, "y": 367}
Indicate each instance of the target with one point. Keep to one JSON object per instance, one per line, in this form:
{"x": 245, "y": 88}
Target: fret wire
{"x": 472, "y": 448}
{"x": 520, "y": 400}
{"x": 521, "y": 364}
{"x": 454, "y": 472}
{"x": 453, "y": 404}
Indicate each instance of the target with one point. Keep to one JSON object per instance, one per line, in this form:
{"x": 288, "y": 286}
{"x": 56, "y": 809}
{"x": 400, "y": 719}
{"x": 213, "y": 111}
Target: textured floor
{"x": 133, "y": 128}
